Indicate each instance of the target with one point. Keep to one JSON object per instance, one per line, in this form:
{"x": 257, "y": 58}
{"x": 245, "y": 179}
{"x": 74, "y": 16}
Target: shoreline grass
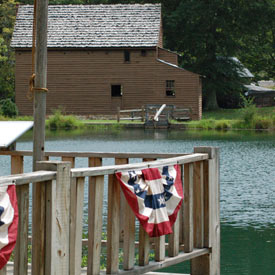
{"x": 250, "y": 118}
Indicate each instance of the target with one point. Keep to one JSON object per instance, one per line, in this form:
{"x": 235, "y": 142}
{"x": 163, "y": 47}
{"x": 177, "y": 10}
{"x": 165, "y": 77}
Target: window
{"x": 143, "y": 53}
{"x": 170, "y": 87}
{"x": 127, "y": 56}
{"x": 116, "y": 90}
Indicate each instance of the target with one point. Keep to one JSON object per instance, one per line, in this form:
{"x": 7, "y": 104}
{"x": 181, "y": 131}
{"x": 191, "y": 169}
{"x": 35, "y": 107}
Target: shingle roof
{"x": 93, "y": 26}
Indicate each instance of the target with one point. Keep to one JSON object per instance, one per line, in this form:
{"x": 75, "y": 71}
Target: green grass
{"x": 245, "y": 118}
{"x": 234, "y": 114}
{"x": 21, "y": 118}
{"x": 222, "y": 119}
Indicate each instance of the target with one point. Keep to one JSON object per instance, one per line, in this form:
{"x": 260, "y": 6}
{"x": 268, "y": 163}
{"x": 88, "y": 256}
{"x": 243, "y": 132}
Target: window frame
{"x": 170, "y": 90}
{"x": 127, "y": 56}
{"x": 117, "y": 95}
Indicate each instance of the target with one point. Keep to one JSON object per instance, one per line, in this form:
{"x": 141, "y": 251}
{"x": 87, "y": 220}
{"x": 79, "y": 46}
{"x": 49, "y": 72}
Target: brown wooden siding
{"x": 80, "y": 82}
{"x": 160, "y": 44}
{"x": 168, "y": 56}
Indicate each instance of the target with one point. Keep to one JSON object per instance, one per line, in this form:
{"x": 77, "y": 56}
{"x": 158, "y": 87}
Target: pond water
{"x": 247, "y": 176}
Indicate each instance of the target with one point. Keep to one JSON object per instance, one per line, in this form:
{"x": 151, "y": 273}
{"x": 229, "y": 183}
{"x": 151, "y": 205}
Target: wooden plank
{"x": 181, "y": 213}
{"x": 22, "y": 194}
{"x": 188, "y": 207}
{"x": 76, "y": 224}
{"x": 129, "y": 237}
{"x": 173, "y": 240}
{"x": 96, "y": 194}
{"x": 167, "y": 262}
{"x": 107, "y": 170}
{"x": 38, "y": 228}
{"x": 50, "y": 227}
{"x": 118, "y": 114}
{"x": 123, "y": 203}
{"x": 206, "y": 204}
{"x": 130, "y": 111}
{"x": 198, "y": 205}
{"x": 210, "y": 264}
{"x": 62, "y": 253}
{"x": 70, "y": 159}
{"x": 131, "y": 118}
{"x": 95, "y": 154}
{"x": 144, "y": 247}
{"x": 159, "y": 248}
{"x": 95, "y": 208}
{"x": 34, "y": 177}
{"x": 113, "y": 225}
{"x": 127, "y": 226}
{"x": 59, "y": 211}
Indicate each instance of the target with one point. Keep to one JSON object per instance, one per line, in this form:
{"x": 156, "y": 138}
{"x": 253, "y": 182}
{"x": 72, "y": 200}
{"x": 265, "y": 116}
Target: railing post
{"x": 95, "y": 208}
{"x": 113, "y": 225}
{"x": 57, "y": 254}
{"x": 210, "y": 264}
{"x": 22, "y": 193}
{"x": 142, "y": 113}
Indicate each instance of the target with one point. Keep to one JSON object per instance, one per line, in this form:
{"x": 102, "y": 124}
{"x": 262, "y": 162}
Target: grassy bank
{"x": 244, "y": 118}
{"x": 222, "y": 119}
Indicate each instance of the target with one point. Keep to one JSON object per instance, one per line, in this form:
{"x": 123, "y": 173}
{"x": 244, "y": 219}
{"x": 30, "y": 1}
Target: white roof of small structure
{"x": 10, "y": 131}
{"x": 244, "y": 72}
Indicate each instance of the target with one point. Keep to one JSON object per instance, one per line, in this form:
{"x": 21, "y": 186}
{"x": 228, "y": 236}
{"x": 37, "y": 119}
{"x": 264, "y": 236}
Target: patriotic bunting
{"x": 8, "y": 222}
{"x": 155, "y": 195}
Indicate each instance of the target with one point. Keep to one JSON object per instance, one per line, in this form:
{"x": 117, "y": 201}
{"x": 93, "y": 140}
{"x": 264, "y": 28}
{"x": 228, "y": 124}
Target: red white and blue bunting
{"x": 155, "y": 195}
{"x": 8, "y": 222}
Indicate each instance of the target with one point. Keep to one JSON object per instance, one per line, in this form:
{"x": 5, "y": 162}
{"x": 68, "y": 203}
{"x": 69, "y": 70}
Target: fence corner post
{"x": 57, "y": 217}
{"x": 210, "y": 264}
{"x": 118, "y": 114}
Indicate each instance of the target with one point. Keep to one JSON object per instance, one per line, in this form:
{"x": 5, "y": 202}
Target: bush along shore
{"x": 248, "y": 117}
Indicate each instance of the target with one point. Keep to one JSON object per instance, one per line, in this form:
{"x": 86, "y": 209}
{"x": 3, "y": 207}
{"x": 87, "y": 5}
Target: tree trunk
{"x": 211, "y": 100}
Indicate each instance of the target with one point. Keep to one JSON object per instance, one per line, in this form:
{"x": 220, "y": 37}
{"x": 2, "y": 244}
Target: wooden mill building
{"x": 101, "y": 57}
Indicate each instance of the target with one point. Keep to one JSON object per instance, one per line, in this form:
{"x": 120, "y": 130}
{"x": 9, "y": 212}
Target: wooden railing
{"x": 133, "y": 114}
{"x": 57, "y": 244}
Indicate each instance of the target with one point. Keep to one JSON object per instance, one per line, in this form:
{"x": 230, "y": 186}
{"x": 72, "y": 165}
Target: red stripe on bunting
{"x": 6, "y": 251}
{"x": 153, "y": 229}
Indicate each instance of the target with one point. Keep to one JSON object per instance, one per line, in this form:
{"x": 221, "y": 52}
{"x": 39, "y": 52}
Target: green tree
{"x": 7, "y": 18}
{"x": 205, "y": 32}
{"x": 257, "y": 44}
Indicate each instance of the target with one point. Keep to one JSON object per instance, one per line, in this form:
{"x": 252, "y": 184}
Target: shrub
{"x": 60, "y": 121}
{"x": 249, "y": 111}
{"x": 8, "y": 108}
{"x": 222, "y": 125}
{"x": 261, "y": 123}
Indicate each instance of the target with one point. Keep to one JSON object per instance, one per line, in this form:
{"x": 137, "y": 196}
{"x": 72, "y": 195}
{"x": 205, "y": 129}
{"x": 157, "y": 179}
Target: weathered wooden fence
{"x": 133, "y": 114}
{"x": 57, "y": 222}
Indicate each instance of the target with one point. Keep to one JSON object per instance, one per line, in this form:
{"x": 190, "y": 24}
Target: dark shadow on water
{"x": 244, "y": 251}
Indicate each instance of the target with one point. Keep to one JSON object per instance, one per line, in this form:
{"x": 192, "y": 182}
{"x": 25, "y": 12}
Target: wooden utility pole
{"x": 40, "y": 81}
{"x": 39, "y": 191}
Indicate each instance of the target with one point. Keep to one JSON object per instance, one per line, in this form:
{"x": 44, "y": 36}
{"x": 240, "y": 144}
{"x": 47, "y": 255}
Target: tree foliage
{"x": 206, "y": 32}
{"x": 7, "y": 18}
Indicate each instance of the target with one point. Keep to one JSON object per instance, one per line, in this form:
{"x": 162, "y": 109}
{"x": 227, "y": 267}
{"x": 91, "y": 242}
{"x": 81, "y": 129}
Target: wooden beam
{"x": 109, "y": 170}
{"x": 113, "y": 225}
{"x": 188, "y": 207}
{"x": 76, "y": 224}
{"x": 40, "y": 82}
{"x": 22, "y": 194}
{"x": 210, "y": 264}
{"x": 167, "y": 262}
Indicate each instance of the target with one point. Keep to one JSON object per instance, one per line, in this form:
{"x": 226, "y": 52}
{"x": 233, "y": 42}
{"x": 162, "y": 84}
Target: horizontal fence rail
{"x": 57, "y": 234}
